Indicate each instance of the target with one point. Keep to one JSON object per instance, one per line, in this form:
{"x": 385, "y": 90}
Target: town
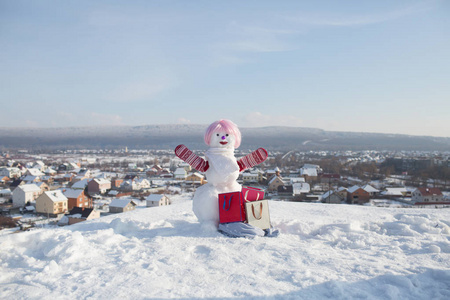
{"x": 64, "y": 187}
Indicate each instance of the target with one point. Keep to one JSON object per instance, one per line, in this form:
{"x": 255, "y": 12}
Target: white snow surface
{"x": 324, "y": 251}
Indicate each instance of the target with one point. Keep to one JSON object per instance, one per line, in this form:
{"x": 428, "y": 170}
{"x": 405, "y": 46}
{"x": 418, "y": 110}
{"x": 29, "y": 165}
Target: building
{"x": 24, "y": 194}
{"x": 428, "y": 196}
{"x": 333, "y": 197}
{"x": 309, "y": 172}
{"x": 285, "y": 190}
{"x": 195, "y": 178}
{"x": 250, "y": 177}
{"x": 357, "y": 195}
{"x": 121, "y": 205}
{"x": 301, "y": 188}
{"x": 180, "y": 174}
{"x": 80, "y": 214}
{"x": 52, "y": 203}
{"x": 370, "y": 189}
{"x": 157, "y": 200}
{"x": 77, "y": 198}
{"x": 274, "y": 183}
{"x": 98, "y": 186}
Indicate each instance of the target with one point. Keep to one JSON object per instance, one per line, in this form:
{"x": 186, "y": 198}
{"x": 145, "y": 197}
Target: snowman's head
{"x": 223, "y": 134}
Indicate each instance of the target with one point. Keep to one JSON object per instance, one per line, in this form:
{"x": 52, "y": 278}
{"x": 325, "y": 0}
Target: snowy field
{"x": 323, "y": 252}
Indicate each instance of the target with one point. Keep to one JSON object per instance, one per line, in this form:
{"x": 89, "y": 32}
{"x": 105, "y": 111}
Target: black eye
{"x": 226, "y": 134}
{"x": 217, "y": 134}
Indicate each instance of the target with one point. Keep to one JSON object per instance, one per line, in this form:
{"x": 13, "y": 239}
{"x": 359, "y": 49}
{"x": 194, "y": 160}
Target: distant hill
{"x": 168, "y": 136}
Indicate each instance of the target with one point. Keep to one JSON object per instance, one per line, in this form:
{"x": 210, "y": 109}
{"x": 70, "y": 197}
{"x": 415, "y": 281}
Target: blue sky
{"x": 370, "y": 66}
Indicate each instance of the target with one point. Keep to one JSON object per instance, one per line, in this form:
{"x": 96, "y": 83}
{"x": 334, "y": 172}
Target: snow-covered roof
{"x": 154, "y": 197}
{"x": 56, "y": 196}
{"x": 81, "y": 184}
{"x": 72, "y": 193}
{"x": 297, "y": 179}
{"x": 102, "y": 181}
{"x": 180, "y": 171}
{"x": 121, "y": 203}
{"x": 394, "y": 191}
{"x": 353, "y": 189}
{"x": 29, "y": 178}
{"x": 274, "y": 178}
{"x": 301, "y": 187}
{"x": 308, "y": 171}
{"x": 5, "y": 192}
{"x": 197, "y": 175}
{"x": 35, "y": 172}
{"x": 29, "y": 188}
{"x": 370, "y": 189}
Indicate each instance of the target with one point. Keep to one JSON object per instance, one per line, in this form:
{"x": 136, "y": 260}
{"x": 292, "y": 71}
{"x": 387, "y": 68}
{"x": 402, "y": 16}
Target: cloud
{"x": 358, "y": 20}
{"x": 106, "y": 119}
{"x": 184, "y": 121}
{"x": 142, "y": 90}
{"x": 240, "y": 41}
{"x": 257, "y": 119}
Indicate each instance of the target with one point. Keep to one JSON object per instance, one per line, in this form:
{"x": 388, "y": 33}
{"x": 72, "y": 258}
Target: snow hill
{"x": 323, "y": 252}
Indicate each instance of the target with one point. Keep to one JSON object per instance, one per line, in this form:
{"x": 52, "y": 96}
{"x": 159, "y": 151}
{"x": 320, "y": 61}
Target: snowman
{"x": 222, "y": 170}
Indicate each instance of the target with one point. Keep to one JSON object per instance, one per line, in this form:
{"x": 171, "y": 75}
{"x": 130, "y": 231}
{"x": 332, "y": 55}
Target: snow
{"x": 324, "y": 251}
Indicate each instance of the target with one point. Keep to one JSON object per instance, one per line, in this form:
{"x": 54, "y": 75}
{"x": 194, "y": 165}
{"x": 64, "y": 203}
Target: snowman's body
{"x": 221, "y": 175}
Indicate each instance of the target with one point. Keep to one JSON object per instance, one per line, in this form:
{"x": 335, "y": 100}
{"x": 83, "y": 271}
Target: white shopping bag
{"x": 257, "y": 213}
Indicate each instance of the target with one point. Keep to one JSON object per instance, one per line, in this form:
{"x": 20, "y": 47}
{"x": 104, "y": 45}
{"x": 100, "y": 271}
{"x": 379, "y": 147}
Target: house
{"x": 34, "y": 172}
{"x": 121, "y": 205}
{"x": 309, "y": 173}
{"x": 40, "y": 165}
{"x": 333, "y": 197}
{"x": 250, "y": 177}
{"x": 357, "y": 195}
{"x": 116, "y": 182}
{"x": 180, "y": 174}
{"x": 395, "y": 192}
{"x": 370, "y": 189}
{"x": 98, "y": 186}
{"x": 428, "y": 196}
{"x": 157, "y": 200}
{"x": 10, "y": 172}
{"x": 285, "y": 190}
{"x": 294, "y": 180}
{"x": 342, "y": 191}
{"x": 31, "y": 179}
{"x": 195, "y": 178}
{"x": 80, "y": 214}
{"x": 4, "y": 179}
{"x": 52, "y": 203}
{"x": 43, "y": 186}
{"x": 142, "y": 183}
{"x": 50, "y": 172}
{"x": 24, "y": 194}
{"x": 81, "y": 185}
{"x": 301, "y": 188}
{"x": 77, "y": 198}
{"x": 274, "y": 183}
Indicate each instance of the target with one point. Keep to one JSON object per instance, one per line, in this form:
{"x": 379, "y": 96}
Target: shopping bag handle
{"x": 246, "y": 194}
{"x": 260, "y": 211}
{"x": 225, "y": 202}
